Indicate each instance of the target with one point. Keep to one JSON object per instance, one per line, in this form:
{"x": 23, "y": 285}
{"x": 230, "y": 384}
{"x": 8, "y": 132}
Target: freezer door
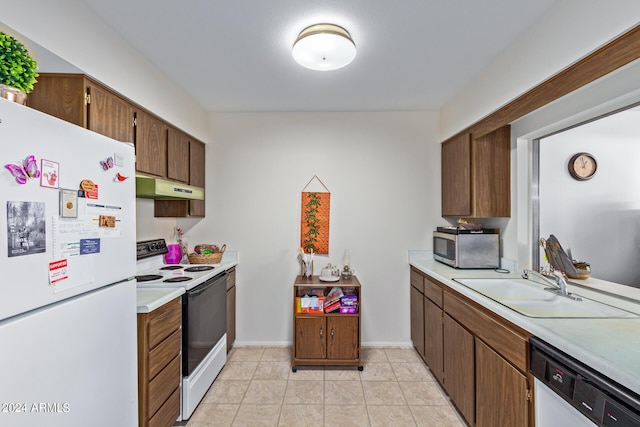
{"x": 72, "y": 363}
{"x": 93, "y": 236}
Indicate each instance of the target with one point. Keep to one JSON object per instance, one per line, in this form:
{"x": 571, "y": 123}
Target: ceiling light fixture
{"x": 324, "y": 47}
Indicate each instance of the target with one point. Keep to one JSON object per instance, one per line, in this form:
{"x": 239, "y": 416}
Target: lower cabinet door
{"x": 501, "y": 391}
{"x": 342, "y": 338}
{"x": 417, "y": 320}
{"x": 311, "y": 338}
{"x": 459, "y": 367}
{"x": 231, "y": 317}
{"x": 433, "y": 339}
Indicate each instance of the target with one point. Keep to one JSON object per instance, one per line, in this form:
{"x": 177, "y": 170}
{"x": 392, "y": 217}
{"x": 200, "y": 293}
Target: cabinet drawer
{"x": 433, "y": 291}
{"x": 163, "y": 385}
{"x": 168, "y": 412}
{"x": 417, "y": 280}
{"x": 164, "y": 321}
{"x": 508, "y": 343}
{"x": 164, "y": 353}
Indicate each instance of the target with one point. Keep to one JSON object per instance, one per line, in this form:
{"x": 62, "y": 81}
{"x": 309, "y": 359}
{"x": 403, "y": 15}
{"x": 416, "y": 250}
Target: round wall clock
{"x": 582, "y": 166}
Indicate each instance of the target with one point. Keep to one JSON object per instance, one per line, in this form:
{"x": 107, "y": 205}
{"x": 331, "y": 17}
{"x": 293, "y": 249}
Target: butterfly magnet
{"x": 107, "y": 163}
{"x": 25, "y": 171}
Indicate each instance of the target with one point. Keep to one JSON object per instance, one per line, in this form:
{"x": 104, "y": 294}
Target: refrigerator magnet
{"x": 108, "y": 221}
{"x": 118, "y": 159}
{"x": 49, "y": 174}
{"x": 24, "y": 171}
{"x": 107, "y": 163}
{"x": 90, "y": 189}
{"x": 68, "y": 203}
{"x": 58, "y": 271}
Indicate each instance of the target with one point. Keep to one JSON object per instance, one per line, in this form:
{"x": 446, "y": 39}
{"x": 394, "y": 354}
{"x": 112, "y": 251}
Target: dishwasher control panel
{"x": 599, "y": 398}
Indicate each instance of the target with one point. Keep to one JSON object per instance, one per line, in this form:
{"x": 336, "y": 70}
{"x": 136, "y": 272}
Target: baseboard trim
{"x": 385, "y": 344}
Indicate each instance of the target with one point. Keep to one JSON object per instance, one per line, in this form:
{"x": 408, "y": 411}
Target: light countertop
{"x": 610, "y": 346}
{"x": 149, "y": 299}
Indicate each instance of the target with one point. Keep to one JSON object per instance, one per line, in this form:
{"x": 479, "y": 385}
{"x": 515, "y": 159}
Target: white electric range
{"x": 204, "y": 316}
{"x": 152, "y": 272}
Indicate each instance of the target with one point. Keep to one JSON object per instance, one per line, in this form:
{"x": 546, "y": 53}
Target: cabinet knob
{"x": 332, "y": 332}
{"x": 321, "y": 332}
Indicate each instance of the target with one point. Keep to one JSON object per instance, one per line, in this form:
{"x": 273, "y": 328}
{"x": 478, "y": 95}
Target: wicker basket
{"x": 214, "y": 258}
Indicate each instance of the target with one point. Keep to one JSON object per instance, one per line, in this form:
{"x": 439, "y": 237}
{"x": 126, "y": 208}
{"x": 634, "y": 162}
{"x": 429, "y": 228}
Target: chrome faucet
{"x": 560, "y": 285}
{"x": 560, "y": 282}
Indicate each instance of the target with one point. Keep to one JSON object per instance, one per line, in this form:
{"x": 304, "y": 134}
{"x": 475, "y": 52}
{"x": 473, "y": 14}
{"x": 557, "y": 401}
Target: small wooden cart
{"x": 326, "y": 338}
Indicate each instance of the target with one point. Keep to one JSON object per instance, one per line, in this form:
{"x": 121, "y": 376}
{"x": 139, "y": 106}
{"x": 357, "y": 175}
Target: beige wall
{"x": 383, "y": 171}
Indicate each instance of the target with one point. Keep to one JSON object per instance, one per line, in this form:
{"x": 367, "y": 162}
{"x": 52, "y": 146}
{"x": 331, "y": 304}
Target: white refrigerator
{"x": 67, "y": 260}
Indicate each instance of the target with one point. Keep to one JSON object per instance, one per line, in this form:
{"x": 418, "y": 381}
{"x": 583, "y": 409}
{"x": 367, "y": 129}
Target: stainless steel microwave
{"x": 467, "y": 248}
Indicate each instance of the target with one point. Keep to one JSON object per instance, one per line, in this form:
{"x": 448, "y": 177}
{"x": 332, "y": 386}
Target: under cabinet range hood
{"x": 162, "y": 189}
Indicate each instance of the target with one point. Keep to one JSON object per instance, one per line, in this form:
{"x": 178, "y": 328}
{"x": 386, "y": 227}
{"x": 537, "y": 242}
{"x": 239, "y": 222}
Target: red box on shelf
{"x": 332, "y": 307}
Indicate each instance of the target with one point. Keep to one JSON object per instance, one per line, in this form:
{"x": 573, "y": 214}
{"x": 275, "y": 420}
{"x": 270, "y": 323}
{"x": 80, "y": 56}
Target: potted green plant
{"x": 17, "y": 69}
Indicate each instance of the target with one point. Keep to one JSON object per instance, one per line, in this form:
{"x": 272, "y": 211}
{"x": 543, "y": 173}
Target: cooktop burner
{"x": 178, "y": 279}
{"x": 199, "y": 268}
{"x": 148, "y": 277}
{"x": 172, "y": 267}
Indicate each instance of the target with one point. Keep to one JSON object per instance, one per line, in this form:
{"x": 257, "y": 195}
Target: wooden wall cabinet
{"x": 326, "y": 338}
{"x": 177, "y": 155}
{"x": 108, "y": 114}
{"x": 151, "y": 145}
{"x": 197, "y": 175}
{"x": 159, "y": 377}
{"x": 231, "y": 308}
{"x": 187, "y": 208}
{"x": 161, "y": 150}
{"x": 82, "y": 101}
{"x": 478, "y": 357}
{"x": 476, "y": 175}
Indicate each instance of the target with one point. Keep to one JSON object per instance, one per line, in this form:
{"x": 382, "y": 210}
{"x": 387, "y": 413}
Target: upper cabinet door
{"x": 62, "y": 96}
{"x": 491, "y": 171}
{"x": 196, "y": 163}
{"x": 197, "y": 175}
{"x": 151, "y": 145}
{"x": 177, "y": 156}
{"x": 476, "y": 175}
{"x": 456, "y": 176}
{"x": 109, "y": 115}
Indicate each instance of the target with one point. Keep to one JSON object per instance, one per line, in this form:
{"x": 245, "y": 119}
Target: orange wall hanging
{"x": 314, "y": 220}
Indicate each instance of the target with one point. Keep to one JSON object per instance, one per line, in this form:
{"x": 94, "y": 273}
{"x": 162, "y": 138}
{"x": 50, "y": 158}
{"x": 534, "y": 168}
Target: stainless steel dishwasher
{"x": 568, "y": 393}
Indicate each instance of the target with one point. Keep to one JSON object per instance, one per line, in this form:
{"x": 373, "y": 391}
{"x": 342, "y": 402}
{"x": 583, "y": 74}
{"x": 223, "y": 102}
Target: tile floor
{"x": 257, "y": 388}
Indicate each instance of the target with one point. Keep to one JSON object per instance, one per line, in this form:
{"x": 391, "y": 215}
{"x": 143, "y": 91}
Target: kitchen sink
{"x": 533, "y": 299}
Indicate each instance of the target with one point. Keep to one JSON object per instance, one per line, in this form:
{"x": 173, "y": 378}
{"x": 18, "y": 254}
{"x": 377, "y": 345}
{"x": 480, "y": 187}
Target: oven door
{"x": 444, "y": 248}
{"x": 204, "y": 319}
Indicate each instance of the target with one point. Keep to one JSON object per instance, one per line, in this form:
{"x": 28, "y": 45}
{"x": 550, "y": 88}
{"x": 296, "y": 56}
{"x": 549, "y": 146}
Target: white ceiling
{"x": 236, "y": 55}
